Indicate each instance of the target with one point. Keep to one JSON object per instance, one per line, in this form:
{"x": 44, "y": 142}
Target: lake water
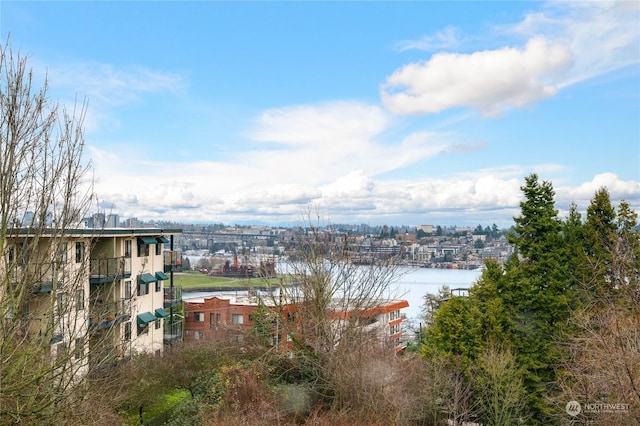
{"x": 412, "y": 285}
{"x": 418, "y": 282}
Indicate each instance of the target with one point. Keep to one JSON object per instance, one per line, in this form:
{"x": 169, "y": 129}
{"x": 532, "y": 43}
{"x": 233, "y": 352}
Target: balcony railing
{"x": 109, "y": 270}
{"x": 103, "y": 358}
{"x": 107, "y": 314}
{"x": 172, "y": 331}
{"x": 40, "y": 276}
{"x": 30, "y": 328}
{"x": 172, "y": 296}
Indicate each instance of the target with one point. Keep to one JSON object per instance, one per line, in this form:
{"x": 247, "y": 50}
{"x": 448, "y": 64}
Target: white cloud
{"x": 442, "y": 40}
{"x": 566, "y": 42}
{"x": 108, "y": 85}
{"x": 318, "y": 143}
{"x": 208, "y": 191}
{"x": 356, "y": 184}
{"x": 326, "y": 124}
{"x": 104, "y": 87}
{"x": 489, "y": 81}
{"x": 601, "y": 35}
{"x": 618, "y": 190}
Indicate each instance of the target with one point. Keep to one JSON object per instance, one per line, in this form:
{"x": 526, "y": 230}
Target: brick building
{"x": 223, "y": 317}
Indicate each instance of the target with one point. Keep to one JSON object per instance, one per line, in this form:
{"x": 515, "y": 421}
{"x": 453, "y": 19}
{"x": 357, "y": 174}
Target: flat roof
{"x": 92, "y": 232}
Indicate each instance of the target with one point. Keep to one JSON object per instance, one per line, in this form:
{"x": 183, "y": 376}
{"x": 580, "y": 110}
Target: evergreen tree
{"x": 599, "y": 239}
{"x": 539, "y": 292}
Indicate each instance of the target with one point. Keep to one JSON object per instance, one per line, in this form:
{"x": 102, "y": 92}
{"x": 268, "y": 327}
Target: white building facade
{"x": 95, "y": 293}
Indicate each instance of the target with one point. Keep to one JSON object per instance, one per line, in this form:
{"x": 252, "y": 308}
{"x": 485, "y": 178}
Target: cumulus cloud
{"x": 618, "y": 190}
{"x": 219, "y": 192}
{"x": 602, "y": 35}
{"x": 566, "y": 42}
{"x": 356, "y": 184}
{"x": 489, "y": 81}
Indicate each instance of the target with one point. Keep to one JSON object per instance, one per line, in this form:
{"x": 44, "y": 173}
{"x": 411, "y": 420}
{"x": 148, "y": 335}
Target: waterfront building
{"x": 226, "y": 316}
{"x": 98, "y": 292}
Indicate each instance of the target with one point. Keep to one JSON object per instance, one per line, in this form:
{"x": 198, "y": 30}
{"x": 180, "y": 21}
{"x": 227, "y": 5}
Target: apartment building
{"x": 220, "y": 317}
{"x": 98, "y": 292}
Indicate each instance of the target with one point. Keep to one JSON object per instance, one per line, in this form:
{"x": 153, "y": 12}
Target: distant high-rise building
{"x": 425, "y": 228}
{"x": 27, "y": 219}
{"x": 112, "y": 221}
{"x": 98, "y": 220}
{"x": 132, "y": 223}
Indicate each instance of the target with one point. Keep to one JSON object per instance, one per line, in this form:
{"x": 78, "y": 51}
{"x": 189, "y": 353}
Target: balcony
{"x": 109, "y": 270}
{"x": 103, "y": 358}
{"x": 172, "y": 331}
{"x": 40, "y": 276}
{"x": 172, "y": 297}
{"x": 34, "y": 329}
{"x": 43, "y": 287}
{"x": 104, "y": 315}
{"x": 172, "y": 261}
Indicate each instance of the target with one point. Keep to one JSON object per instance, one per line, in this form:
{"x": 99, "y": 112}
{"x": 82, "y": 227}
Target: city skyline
{"x": 400, "y": 113}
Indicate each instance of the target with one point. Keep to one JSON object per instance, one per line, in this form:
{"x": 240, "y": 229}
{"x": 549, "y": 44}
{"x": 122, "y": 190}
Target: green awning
{"x": 162, "y": 239}
{"x": 161, "y": 313}
{"x": 161, "y": 276}
{"x": 147, "y": 240}
{"x": 147, "y": 278}
{"x": 145, "y": 318}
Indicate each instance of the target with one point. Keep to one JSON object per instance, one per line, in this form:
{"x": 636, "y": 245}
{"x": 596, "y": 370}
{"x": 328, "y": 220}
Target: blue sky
{"x": 366, "y": 112}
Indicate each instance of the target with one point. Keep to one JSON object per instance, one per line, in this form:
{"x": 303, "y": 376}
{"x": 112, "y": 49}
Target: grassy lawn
{"x": 164, "y": 403}
{"x": 197, "y": 280}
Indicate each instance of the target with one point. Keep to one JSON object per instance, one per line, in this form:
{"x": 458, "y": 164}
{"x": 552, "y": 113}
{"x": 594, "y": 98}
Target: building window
{"x": 158, "y": 249}
{"x": 198, "y": 335}
{"x": 80, "y": 300}
{"x": 217, "y": 319}
{"x": 143, "y": 329}
{"x": 79, "y": 252}
{"x": 127, "y": 331}
{"x": 79, "y": 349}
{"x": 291, "y": 316}
{"x": 212, "y": 318}
{"x": 143, "y": 289}
{"x": 62, "y": 302}
{"x": 158, "y": 353}
{"x": 143, "y": 250}
{"x": 158, "y": 285}
{"x": 157, "y": 324}
{"x": 11, "y": 256}
{"x": 61, "y": 350}
{"x": 198, "y": 316}
{"x": 127, "y": 248}
{"x": 237, "y": 319}
{"x": 62, "y": 253}
{"x": 127, "y": 289}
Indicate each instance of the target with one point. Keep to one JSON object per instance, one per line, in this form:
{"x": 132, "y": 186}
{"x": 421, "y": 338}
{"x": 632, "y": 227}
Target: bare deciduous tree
{"x": 43, "y": 194}
{"x": 604, "y": 363}
{"x": 331, "y": 300}
{"x": 498, "y": 388}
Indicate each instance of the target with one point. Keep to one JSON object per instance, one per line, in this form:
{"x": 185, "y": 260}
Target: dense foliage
{"x": 570, "y": 291}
